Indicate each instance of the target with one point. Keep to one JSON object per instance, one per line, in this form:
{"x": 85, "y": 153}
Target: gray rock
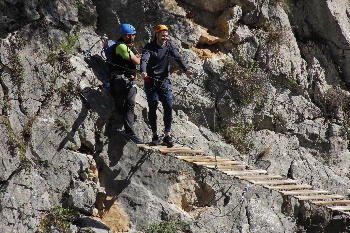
{"x": 62, "y": 146}
{"x": 9, "y": 161}
{"x": 82, "y": 196}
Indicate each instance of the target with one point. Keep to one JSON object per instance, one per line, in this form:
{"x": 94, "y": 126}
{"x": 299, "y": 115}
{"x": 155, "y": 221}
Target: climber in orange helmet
{"x": 155, "y": 69}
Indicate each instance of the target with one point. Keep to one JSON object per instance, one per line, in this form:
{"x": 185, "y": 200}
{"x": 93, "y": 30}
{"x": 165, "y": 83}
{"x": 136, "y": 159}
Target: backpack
{"x": 107, "y": 52}
{"x": 107, "y": 49}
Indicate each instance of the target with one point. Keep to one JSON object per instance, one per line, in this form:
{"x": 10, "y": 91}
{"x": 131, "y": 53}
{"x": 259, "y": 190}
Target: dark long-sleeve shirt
{"x": 155, "y": 59}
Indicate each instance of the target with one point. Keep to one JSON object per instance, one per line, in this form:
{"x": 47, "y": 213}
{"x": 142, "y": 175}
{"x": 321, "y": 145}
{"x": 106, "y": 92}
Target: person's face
{"x": 130, "y": 38}
{"x": 162, "y": 37}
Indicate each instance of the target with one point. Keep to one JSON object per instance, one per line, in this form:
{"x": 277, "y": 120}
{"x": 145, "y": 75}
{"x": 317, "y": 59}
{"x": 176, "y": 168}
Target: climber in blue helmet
{"x": 122, "y": 67}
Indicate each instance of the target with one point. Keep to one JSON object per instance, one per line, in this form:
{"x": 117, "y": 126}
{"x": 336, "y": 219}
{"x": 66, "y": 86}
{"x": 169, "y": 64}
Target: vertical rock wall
{"x": 275, "y": 70}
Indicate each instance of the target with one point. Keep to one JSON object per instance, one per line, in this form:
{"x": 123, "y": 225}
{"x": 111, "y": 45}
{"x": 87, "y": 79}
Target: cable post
{"x": 216, "y": 167}
{"x": 104, "y": 37}
{"x": 244, "y": 194}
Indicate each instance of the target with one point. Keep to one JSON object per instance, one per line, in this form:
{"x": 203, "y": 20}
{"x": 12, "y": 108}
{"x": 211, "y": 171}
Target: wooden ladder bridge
{"x": 287, "y": 187}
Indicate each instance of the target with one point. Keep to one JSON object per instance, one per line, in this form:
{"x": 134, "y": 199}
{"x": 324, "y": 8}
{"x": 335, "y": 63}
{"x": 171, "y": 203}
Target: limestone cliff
{"x": 270, "y": 90}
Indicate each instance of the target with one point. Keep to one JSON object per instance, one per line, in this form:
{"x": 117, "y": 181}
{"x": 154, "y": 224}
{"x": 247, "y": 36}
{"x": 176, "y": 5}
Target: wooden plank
{"x": 290, "y": 187}
{"x": 237, "y": 173}
{"x": 335, "y": 202}
{"x": 202, "y": 158}
{"x": 179, "y": 150}
{"x": 230, "y": 162}
{"x": 227, "y": 167}
{"x": 275, "y": 182}
{"x": 206, "y": 160}
{"x": 174, "y": 147}
{"x": 339, "y": 207}
{"x": 194, "y": 156}
{"x": 308, "y": 191}
{"x": 259, "y": 177}
{"x": 319, "y": 197}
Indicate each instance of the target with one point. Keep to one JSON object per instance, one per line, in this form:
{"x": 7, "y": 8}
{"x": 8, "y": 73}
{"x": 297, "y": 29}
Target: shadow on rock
{"x": 70, "y": 135}
{"x": 114, "y": 186}
{"x": 91, "y": 223}
{"x": 96, "y": 101}
{"x": 98, "y": 66}
{"x": 139, "y": 163}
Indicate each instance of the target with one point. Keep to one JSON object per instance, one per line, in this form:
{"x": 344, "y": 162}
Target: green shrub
{"x": 69, "y": 43}
{"x": 238, "y": 136}
{"x": 335, "y": 99}
{"x": 61, "y": 64}
{"x": 67, "y": 92}
{"x": 248, "y": 85}
{"x": 61, "y": 125}
{"x": 172, "y": 224}
{"x": 163, "y": 227}
{"x": 17, "y": 69}
{"x": 59, "y": 219}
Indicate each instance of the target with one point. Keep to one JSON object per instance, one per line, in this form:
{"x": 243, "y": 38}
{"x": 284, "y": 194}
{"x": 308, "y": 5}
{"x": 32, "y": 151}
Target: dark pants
{"x": 124, "y": 94}
{"x": 156, "y": 91}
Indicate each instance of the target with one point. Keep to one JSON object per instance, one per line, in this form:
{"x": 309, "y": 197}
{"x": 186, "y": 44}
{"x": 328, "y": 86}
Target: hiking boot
{"x": 155, "y": 140}
{"x": 134, "y": 138}
{"x": 168, "y": 141}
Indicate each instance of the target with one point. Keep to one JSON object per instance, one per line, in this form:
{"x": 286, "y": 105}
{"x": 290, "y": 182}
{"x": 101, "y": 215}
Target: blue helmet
{"x": 126, "y": 28}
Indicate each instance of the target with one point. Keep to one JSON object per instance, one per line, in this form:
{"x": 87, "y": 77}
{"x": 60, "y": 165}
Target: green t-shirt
{"x": 124, "y": 51}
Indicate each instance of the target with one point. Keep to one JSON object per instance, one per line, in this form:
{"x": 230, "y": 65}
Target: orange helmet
{"x": 160, "y": 27}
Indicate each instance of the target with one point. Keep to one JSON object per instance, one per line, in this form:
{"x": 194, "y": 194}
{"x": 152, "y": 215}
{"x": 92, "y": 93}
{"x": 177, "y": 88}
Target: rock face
{"x": 270, "y": 90}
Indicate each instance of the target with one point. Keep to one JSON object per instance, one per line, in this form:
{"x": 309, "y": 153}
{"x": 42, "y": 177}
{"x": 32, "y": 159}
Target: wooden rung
{"x": 244, "y": 172}
{"x": 319, "y": 197}
{"x": 303, "y": 192}
{"x": 193, "y": 157}
{"x": 204, "y": 160}
{"x": 204, "y": 163}
{"x": 339, "y": 207}
{"x": 200, "y": 159}
{"x": 179, "y": 150}
{"x": 172, "y": 148}
{"x": 275, "y": 182}
{"x": 259, "y": 177}
{"x": 227, "y": 167}
{"x": 290, "y": 187}
{"x": 335, "y": 202}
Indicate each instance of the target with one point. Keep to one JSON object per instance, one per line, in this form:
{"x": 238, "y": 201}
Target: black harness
{"x": 119, "y": 65}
